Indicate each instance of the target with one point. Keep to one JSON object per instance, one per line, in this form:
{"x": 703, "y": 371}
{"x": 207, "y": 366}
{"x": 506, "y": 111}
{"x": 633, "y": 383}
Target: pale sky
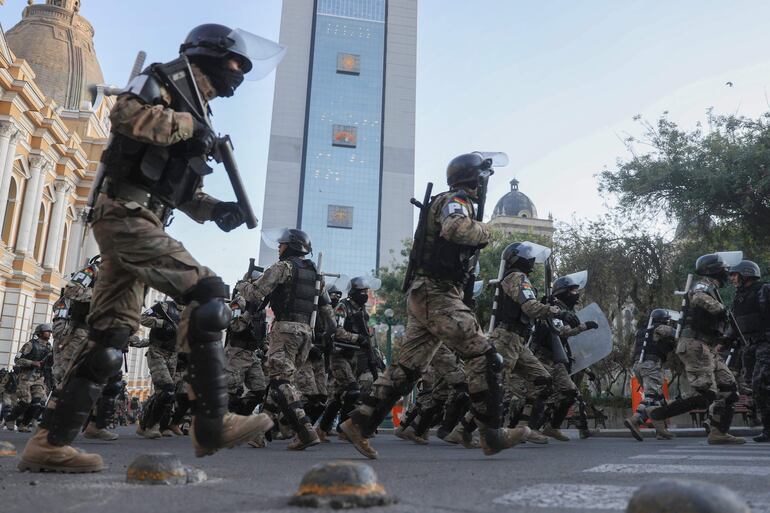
{"x": 554, "y": 84}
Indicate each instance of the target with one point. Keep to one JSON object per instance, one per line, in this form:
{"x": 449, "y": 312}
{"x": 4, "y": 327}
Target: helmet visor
{"x": 263, "y": 54}
{"x": 579, "y": 278}
{"x": 271, "y": 237}
{"x": 497, "y": 158}
{"x": 528, "y": 250}
{"x": 730, "y": 258}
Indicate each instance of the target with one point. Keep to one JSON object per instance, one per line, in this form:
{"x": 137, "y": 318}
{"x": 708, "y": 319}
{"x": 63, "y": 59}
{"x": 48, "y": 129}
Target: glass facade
{"x": 340, "y": 196}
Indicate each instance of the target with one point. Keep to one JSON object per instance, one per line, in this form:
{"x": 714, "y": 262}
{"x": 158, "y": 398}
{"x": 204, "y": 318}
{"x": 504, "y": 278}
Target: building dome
{"x": 58, "y": 45}
{"x": 515, "y": 204}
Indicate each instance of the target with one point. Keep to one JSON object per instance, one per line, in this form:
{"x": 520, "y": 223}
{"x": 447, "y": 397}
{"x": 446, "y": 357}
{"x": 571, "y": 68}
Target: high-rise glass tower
{"x": 341, "y": 161}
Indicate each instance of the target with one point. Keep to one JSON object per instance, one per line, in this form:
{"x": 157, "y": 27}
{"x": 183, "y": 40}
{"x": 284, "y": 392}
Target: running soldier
{"x": 437, "y": 313}
{"x": 704, "y": 325}
{"x": 31, "y": 390}
{"x": 653, "y": 345}
{"x": 155, "y": 161}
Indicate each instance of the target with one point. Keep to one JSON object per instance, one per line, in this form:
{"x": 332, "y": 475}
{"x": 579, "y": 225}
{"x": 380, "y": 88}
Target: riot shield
{"x": 591, "y": 346}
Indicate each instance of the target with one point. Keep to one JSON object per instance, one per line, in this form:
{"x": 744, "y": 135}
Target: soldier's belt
{"x": 343, "y": 345}
{"x": 128, "y": 192}
{"x": 514, "y": 328}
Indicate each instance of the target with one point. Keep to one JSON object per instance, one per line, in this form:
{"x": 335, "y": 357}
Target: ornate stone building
{"x": 54, "y": 126}
{"x": 515, "y": 213}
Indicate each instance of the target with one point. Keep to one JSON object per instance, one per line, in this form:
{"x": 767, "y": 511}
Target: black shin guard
{"x": 455, "y": 410}
{"x": 82, "y": 388}
{"x": 289, "y": 410}
{"x": 181, "y": 409}
{"x": 679, "y": 407}
{"x": 329, "y": 414}
{"x": 425, "y": 421}
{"x": 207, "y": 358}
{"x": 249, "y": 402}
{"x": 560, "y": 411}
{"x": 33, "y": 412}
{"x": 17, "y": 411}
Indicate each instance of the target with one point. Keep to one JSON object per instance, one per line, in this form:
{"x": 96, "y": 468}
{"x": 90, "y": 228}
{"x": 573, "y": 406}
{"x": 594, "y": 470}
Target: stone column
{"x": 7, "y": 129}
{"x": 6, "y": 170}
{"x": 32, "y": 195}
{"x": 53, "y": 244}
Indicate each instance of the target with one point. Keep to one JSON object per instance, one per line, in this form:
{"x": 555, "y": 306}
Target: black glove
{"x": 202, "y": 140}
{"x": 228, "y": 215}
{"x": 315, "y": 353}
{"x": 591, "y": 325}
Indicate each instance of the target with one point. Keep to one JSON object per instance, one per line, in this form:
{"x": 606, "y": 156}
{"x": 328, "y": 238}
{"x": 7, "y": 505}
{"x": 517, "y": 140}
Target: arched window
{"x": 41, "y": 234}
{"x": 64, "y": 241}
{"x": 10, "y": 210}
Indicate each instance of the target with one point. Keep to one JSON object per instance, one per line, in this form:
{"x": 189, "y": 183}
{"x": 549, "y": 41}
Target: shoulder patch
{"x": 457, "y": 205}
{"x": 527, "y": 290}
{"x": 84, "y": 277}
{"x": 700, "y": 287}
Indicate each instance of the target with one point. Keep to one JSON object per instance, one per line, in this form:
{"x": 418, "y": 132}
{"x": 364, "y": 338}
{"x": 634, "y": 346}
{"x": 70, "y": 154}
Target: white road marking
{"x": 737, "y": 447}
{"x": 715, "y": 451}
{"x": 638, "y": 468}
{"x": 700, "y": 457}
{"x": 569, "y": 496}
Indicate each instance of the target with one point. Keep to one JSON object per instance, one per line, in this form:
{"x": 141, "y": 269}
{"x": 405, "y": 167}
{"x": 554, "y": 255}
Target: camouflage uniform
{"x": 714, "y": 384}
{"x": 148, "y": 172}
{"x": 290, "y": 282}
{"x": 436, "y": 314}
{"x": 649, "y": 372}
{"x": 522, "y": 371}
{"x": 8, "y": 384}
{"x": 31, "y": 389}
{"x": 244, "y": 352}
{"x": 70, "y": 319}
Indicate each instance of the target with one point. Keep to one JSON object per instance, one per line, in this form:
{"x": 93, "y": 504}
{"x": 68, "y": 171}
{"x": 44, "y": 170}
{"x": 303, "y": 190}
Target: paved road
{"x": 598, "y": 474}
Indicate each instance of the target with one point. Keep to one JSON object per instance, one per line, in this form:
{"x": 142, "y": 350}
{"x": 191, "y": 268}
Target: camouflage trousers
{"x": 31, "y": 387}
{"x": 563, "y": 386}
{"x": 705, "y": 372}
{"x": 244, "y": 370}
{"x": 525, "y": 378}
{"x": 288, "y": 347}
{"x": 311, "y": 378}
{"x": 649, "y": 373}
{"x": 444, "y": 378}
{"x": 162, "y": 365}
{"x": 436, "y": 314}
{"x": 66, "y": 348}
{"x": 343, "y": 374}
{"x": 136, "y": 251}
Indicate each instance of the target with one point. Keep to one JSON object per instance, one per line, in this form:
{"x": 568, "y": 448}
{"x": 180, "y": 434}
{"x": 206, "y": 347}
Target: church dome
{"x": 515, "y": 204}
{"x": 58, "y": 45}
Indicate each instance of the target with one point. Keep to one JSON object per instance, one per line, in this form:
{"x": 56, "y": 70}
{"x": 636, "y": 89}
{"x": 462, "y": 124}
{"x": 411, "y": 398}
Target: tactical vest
{"x": 356, "y": 321}
{"x": 254, "y": 335}
{"x": 656, "y": 346}
{"x": 163, "y": 338}
{"x": 443, "y": 259}
{"x": 61, "y": 308}
{"x": 78, "y": 312}
{"x": 641, "y": 333}
{"x": 748, "y": 312}
{"x": 702, "y": 321}
{"x": 510, "y": 315}
{"x": 38, "y": 352}
{"x": 168, "y": 173}
{"x": 293, "y": 301}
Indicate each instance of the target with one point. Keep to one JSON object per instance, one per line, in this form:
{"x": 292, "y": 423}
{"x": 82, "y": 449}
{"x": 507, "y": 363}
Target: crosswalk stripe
{"x": 569, "y": 496}
{"x": 737, "y": 447}
{"x": 700, "y": 457}
{"x": 625, "y": 468}
{"x": 713, "y": 451}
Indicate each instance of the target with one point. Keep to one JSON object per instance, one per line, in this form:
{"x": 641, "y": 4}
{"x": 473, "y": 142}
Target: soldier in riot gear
{"x": 565, "y": 295}
{"x": 450, "y": 238}
{"x": 653, "y": 344}
{"x": 154, "y": 164}
{"x": 703, "y": 325}
{"x": 289, "y": 286}
{"x": 31, "y": 390}
{"x": 311, "y": 377}
{"x": 245, "y": 349}
{"x": 8, "y": 384}
{"x": 350, "y": 337}
{"x": 335, "y": 295}
{"x": 751, "y": 308}
{"x": 163, "y": 320}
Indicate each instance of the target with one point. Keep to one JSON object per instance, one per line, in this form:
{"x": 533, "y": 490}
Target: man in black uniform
{"x": 29, "y": 364}
{"x": 751, "y": 308}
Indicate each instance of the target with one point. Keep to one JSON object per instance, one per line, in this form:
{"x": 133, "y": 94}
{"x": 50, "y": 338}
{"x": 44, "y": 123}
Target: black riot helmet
{"x": 335, "y": 295}
{"x": 747, "y": 269}
{"x": 359, "y": 290}
{"x": 297, "y": 240}
{"x": 40, "y": 328}
{"x": 466, "y": 169}
{"x": 660, "y": 316}
{"x": 211, "y": 46}
{"x": 522, "y": 256}
{"x": 713, "y": 266}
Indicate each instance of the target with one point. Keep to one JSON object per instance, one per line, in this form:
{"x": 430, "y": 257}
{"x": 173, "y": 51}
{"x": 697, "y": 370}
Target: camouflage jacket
{"x": 162, "y": 126}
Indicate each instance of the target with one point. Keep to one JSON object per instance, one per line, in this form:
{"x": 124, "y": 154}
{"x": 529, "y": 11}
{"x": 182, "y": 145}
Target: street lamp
{"x": 389, "y": 347}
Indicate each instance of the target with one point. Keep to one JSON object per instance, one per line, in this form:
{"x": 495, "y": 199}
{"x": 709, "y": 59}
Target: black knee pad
{"x": 570, "y": 396}
{"x": 113, "y": 387}
{"x": 99, "y": 363}
{"x": 707, "y": 395}
{"x": 494, "y": 360}
{"x": 546, "y": 382}
{"x": 352, "y": 394}
{"x": 729, "y": 392}
{"x": 411, "y": 376}
{"x": 206, "y": 289}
